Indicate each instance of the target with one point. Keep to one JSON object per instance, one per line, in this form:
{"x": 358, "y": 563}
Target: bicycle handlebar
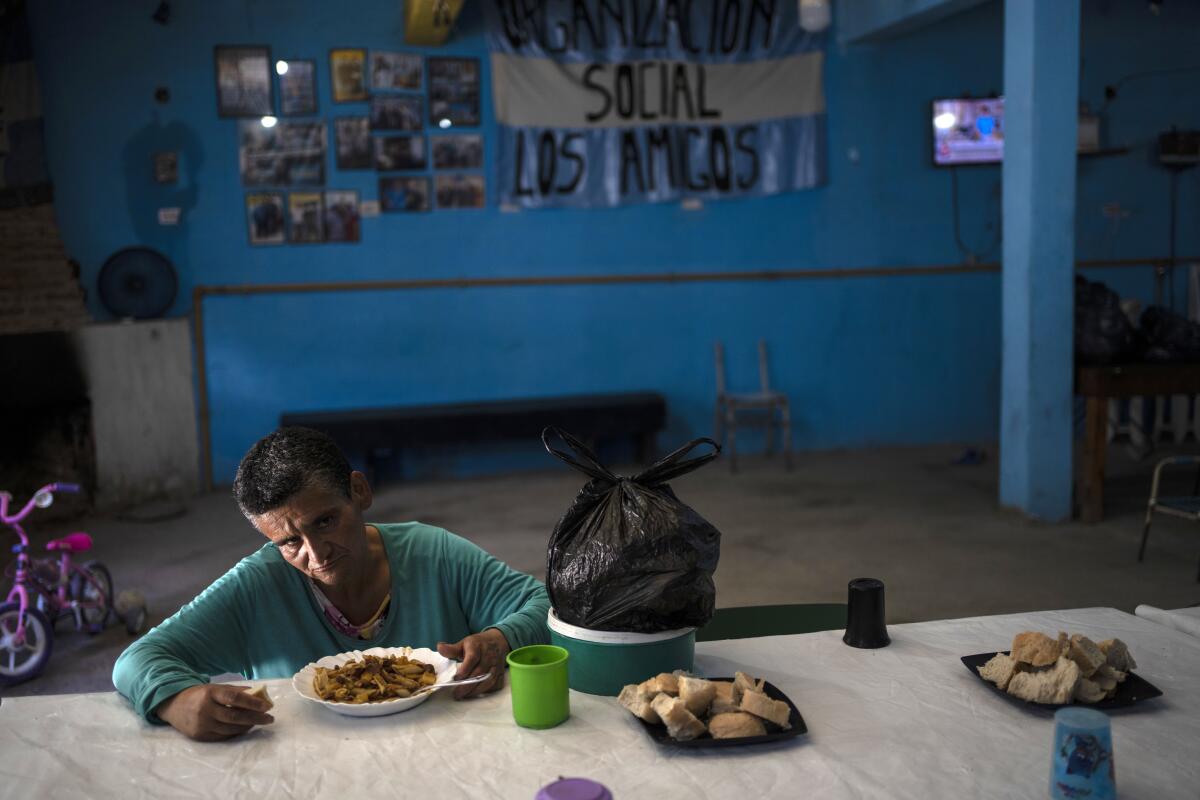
{"x": 6, "y": 498}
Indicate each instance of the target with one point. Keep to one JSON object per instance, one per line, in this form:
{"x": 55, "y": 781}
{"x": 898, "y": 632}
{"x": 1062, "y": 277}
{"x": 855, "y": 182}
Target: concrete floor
{"x": 931, "y": 531}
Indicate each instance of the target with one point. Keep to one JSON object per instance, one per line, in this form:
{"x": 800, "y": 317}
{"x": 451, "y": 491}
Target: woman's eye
{"x": 324, "y": 521}
{"x": 291, "y": 543}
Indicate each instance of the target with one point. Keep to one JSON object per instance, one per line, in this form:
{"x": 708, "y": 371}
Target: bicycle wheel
{"x": 97, "y": 591}
{"x": 24, "y": 661}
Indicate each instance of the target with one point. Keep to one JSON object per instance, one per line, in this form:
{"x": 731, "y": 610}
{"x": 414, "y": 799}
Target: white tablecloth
{"x": 905, "y": 721}
{"x": 1181, "y": 619}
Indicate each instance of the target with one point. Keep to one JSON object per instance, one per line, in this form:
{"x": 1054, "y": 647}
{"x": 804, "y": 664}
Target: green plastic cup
{"x": 538, "y": 677}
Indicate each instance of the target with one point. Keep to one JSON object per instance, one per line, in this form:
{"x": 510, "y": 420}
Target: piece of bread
{"x": 639, "y": 702}
{"x": 762, "y": 706}
{"x": 723, "y": 701}
{"x": 735, "y": 725}
{"x": 1117, "y": 655}
{"x": 1089, "y": 691}
{"x": 697, "y": 694}
{"x": 261, "y": 692}
{"x": 1037, "y": 649}
{"x": 999, "y": 670}
{"x": 742, "y": 683}
{"x": 681, "y": 724}
{"x": 1052, "y": 685}
{"x": 1084, "y": 652}
{"x": 1107, "y": 679}
{"x": 664, "y": 682}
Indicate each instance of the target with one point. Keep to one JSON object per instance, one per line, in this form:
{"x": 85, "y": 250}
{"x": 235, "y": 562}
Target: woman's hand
{"x": 481, "y": 654}
{"x": 210, "y": 712}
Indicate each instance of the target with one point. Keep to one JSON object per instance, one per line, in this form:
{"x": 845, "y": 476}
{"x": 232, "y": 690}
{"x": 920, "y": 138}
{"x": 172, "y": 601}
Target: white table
{"x": 1181, "y": 619}
{"x": 905, "y": 721}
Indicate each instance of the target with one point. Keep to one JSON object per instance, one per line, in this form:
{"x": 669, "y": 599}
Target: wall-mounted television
{"x": 968, "y": 131}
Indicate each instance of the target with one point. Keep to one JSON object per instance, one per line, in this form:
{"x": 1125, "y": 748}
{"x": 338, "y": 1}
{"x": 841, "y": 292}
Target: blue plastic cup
{"x": 1082, "y": 762}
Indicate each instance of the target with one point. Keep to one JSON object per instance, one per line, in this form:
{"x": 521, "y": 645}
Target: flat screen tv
{"x": 967, "y": 131}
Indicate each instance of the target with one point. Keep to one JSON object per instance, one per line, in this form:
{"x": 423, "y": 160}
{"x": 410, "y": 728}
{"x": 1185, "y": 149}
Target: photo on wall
{"x": 342, "y": 217}
{"x": 458, "y": 151}
{"x": 243, "y": 81}
{"x": 297, "y": 87}
{"x": 347, "y": 70}
{"x": 460, "y": 191}
{"x": 352, "y": 143}
{"x": 404, "y": 193}
{"x": 453, "y": 91}
{"x": 306, "y": 219}
{"x": 264, "y": 217}
{"x": 166, "y": 167}
{"x": 395, "y": 71}
{"x": 399, "y": 152}
{"x": 392, "y": 113}
{"x": 286, "y": 154}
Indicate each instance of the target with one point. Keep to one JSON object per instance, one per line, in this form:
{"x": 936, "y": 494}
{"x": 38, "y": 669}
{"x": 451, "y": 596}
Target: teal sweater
{"x": 261, "y": 620}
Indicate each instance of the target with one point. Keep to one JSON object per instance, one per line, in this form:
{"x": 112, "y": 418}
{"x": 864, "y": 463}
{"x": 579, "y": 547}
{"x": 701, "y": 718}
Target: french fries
{"x": 373, "y": 679}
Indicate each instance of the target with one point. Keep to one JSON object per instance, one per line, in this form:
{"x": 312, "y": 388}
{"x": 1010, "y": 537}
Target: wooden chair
{"x": 749, "y": 621}
{"x": 765, "y": 407}
{"x": 1183, "y": 506}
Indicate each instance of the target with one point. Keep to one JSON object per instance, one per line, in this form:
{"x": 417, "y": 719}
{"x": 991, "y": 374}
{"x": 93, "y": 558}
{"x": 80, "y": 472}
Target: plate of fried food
{"x": 1050, "y": 673}
{"x": 374, "y": 682}
{"x": 687, "y": 711}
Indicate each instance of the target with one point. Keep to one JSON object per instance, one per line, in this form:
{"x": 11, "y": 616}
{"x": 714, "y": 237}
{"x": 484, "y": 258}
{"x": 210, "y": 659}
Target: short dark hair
{"x": 282, "y": 463}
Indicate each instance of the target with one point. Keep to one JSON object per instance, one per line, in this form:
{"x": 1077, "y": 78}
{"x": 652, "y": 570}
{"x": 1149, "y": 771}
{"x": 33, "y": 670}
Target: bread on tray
{"x": 723, "y": 700}
{"x": 999, "y": 670}
{"x": 697, "y": 694}
{"x": 1051, "y": 685}
{"x": 1037, "y": 649}
{"x": 758, "y": 704}
{"x": 1117, "y": 655}
{"x": 735, "y": 724}
{"x": 722, "y": 709}
{"x": 664, "y": 682}
{"x": 1067, "y": 669}
{"x": 1086, "y": 654}
{"x": 681, "y": 724}
{"x": 640, "y": 703}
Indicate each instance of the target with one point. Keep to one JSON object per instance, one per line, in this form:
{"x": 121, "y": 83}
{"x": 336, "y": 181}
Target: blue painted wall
{"x": 866, "y": 361}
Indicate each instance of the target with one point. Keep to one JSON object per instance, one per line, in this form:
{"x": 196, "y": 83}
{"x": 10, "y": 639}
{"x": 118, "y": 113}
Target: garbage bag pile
{"x": 1104, "y": 333}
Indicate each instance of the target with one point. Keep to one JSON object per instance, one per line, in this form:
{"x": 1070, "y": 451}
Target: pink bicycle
{"x": 56, "y": 587}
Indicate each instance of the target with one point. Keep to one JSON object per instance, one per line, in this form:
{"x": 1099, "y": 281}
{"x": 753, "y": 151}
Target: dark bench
{"x": 378, "y": 433}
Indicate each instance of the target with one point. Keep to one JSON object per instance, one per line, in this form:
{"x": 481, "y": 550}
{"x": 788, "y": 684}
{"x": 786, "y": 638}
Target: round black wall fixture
{"x": 137, "y": 282}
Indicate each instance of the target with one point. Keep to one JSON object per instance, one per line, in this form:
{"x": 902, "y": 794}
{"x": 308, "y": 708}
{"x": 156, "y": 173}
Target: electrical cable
{"x": 1110, "y": 91}
{"x": 970, "y": 256}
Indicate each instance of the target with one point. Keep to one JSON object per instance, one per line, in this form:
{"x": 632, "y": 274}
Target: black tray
{"x": 1129, "y": 691}
{"x": 775, "y": 734}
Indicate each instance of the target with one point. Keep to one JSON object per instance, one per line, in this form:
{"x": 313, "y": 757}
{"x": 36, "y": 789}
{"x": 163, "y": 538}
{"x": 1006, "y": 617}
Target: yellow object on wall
{"x": 428, "y": 22}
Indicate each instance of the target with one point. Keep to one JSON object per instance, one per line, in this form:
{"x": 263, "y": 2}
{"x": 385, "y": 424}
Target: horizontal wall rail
{"x": 226, "y": 290}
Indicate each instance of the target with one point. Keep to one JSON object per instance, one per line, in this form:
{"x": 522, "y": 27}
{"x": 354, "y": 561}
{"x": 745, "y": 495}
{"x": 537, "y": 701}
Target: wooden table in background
{"x": 1099, "y": 385}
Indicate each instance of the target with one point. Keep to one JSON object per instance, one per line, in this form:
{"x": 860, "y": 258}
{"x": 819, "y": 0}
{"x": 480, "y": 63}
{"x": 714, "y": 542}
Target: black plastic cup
{"x": 865, "y": 625}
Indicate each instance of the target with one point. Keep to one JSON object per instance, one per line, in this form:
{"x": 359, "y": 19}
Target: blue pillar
{"x": 1041, "y": 89}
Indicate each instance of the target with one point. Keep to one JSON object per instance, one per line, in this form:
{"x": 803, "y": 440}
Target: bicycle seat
{"x": 72, "y": 543}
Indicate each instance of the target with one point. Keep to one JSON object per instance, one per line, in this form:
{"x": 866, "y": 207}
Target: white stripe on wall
{"x": 540, "y": 93}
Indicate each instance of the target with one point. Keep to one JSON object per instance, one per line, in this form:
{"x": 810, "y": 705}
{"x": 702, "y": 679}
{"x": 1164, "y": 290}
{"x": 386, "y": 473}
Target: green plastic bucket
{"x": 601, "y": 662}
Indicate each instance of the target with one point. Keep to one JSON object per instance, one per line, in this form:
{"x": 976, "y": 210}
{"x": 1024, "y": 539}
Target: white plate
{"x": 302, "y": 681}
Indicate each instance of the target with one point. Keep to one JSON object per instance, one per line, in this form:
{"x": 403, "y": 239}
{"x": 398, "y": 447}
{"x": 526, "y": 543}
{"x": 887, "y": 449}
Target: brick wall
{"x": 39, "y": 287}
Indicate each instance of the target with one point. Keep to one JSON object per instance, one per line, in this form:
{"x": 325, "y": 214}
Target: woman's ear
{"x": 360, "y": 491}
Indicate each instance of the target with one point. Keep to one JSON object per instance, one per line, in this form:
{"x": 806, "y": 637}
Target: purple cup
{"x": 574, "y": 789}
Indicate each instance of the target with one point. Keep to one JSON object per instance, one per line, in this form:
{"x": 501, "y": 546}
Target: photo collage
{"x": 410, "y": 138}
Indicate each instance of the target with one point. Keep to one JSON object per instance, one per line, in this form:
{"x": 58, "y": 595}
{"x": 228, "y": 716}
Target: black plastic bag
{"x": 1103, "y": 333}
{"x": 1169, "y": 336}
{"x": 628, "y": 555}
